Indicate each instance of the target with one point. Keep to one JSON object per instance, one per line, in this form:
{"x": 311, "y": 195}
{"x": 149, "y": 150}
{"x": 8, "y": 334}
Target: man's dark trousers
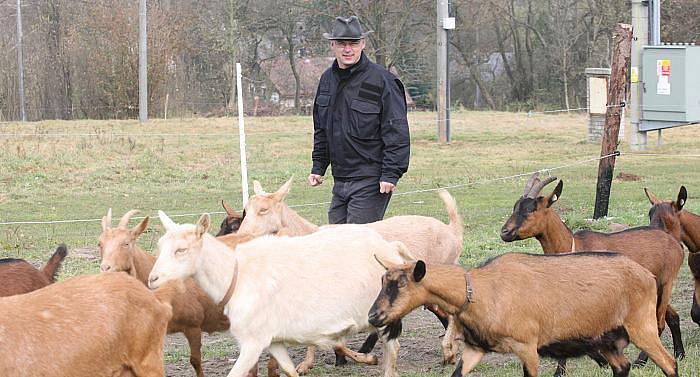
{"x": 357, "y": 201}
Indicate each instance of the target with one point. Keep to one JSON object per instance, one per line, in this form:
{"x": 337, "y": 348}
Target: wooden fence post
{"x": 616, "y": 96}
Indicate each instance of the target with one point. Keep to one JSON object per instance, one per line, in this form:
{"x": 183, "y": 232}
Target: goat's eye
{"x": 263, "y": 211}
{"x": 180, "y": 251}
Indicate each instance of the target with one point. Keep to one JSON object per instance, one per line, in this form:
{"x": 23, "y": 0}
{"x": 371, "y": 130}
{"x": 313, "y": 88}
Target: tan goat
{"x": 530, "y": 305}
{"x": 88, "y": 326}
{"x": 653, "y": 248}
{"x": 193, "y": 310}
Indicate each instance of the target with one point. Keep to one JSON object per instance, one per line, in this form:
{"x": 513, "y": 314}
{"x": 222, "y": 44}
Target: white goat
{"x": 311, "y": 290}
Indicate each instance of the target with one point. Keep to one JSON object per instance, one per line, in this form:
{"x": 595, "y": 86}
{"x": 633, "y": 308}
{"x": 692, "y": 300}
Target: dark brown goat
{"x": 530, "y": 305}
{"x": 685, "y": 227}
{"x": 653, "y": 248}
{"x": 18, "y": 276}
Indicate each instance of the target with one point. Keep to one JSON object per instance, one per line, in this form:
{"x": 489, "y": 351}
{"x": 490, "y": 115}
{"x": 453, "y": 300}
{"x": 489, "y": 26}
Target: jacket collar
{"x": 358, "y": 67}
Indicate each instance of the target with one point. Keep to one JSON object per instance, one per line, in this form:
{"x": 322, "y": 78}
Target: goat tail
{"x": 54, "y": 263}
{"x": 456, "y": 222}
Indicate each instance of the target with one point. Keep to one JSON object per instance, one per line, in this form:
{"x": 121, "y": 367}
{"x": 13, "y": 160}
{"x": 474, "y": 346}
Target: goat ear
{"x": 203, "y": 225}
{"x": 652, "y": 198}
{"x": 165, "y": 220}
{"x": 282, "y": 192}
{"x": 107, "y": 220}
{"x": 257, "y": 188}
{"x": 554, "y": 196}
{"x": 230, "y": 212}
{"x": 682, "y": 197}
{"x": 419, "y": 271}
{"x": 140, "y": 228}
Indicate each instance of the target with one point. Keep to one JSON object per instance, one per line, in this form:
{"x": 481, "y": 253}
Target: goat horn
{"x": 380, "y": 262}
{"x": 125, "y": 219}
{"x": 539, "y": 185}
{"x": 107, "y": 220}
{"x": 530, "y": 182}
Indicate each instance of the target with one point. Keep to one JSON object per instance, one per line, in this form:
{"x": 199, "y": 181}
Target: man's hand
{"x": 315, "y": 179}
{"x": 386, "y": 187}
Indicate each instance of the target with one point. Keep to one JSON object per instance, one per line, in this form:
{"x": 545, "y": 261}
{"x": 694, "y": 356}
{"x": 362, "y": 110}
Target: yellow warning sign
{"x": 634, "y": 75}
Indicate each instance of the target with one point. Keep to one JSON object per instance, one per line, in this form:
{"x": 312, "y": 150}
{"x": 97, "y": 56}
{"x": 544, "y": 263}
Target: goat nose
{"x": 151, "y": 280}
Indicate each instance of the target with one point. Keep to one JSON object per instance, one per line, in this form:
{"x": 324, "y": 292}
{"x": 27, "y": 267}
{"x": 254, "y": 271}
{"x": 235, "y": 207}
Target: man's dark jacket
{"x": 360, "y": 124}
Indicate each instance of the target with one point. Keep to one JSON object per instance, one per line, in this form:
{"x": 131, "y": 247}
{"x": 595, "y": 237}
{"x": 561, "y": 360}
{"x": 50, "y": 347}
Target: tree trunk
{"x": 616, "y": 94}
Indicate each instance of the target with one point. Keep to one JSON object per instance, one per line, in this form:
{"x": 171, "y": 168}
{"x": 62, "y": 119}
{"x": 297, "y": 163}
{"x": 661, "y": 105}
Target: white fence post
{"x": 241, "y": 135}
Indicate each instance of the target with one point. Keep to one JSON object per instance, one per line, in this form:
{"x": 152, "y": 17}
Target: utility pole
{"x": 443, "y": 24}
{"x": 20, "y": 62}
{"x": 616, "y": 95}
{"x": 143, "y": 63}
{"x": 640, "y": 37}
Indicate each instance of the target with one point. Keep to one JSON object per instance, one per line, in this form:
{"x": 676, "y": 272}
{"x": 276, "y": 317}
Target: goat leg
{"x": 308, "y": 363}
{"x": 194, "y": 338}
{"x": 673, "y": 321}
{"x": 369, "y": 359}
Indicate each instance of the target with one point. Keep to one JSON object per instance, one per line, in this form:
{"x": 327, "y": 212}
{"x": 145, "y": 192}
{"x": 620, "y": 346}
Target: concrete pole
{"x": 442, "y": 13}
{"x": 640, "y": 37}
{"x": 20, "y": 62}
{"x": 143, "y": 63}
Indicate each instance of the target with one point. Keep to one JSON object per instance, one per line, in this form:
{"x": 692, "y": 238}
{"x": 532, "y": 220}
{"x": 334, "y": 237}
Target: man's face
{"x": 347, "y": 52}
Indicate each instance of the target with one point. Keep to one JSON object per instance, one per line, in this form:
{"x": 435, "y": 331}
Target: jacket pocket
{"x": 322, "y": 102}
{"x": 364, "y": 120}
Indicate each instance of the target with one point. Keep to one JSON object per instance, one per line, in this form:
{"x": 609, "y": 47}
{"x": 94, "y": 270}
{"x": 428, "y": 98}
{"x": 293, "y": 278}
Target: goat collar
{"x": 470, "y": 291}
{"x": 231, "y": 288}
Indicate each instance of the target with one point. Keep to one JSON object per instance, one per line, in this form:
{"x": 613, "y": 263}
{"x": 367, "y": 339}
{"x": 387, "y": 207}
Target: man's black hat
{"x": 346, "y": 29}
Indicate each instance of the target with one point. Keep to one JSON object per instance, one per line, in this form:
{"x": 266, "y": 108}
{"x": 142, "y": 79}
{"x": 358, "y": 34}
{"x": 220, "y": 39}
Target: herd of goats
{"x": 274, "y": 279}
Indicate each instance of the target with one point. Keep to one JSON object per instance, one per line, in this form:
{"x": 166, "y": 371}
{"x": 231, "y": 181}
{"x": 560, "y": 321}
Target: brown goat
{"x": 87, "y": 326}
{"x": 684, "y": 226}
{"x": 18, "y": 276}
{"x": 556, "y": 305}
{"x": 193, "y": 310}
{"x": 653, "y": 248}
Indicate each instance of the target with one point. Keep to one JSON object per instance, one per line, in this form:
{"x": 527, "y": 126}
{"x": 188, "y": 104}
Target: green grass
{"x": 191, "y": 164}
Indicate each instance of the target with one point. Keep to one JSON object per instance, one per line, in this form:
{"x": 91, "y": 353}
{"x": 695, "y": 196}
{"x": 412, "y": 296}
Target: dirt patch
{"x": 89, "y": 253}
{"x": 420, "y": 353}
{"x": 627, "y": 177}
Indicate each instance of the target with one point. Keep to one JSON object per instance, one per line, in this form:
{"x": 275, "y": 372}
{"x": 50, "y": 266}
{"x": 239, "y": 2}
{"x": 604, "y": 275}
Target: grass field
{"x": 56, "y": 171}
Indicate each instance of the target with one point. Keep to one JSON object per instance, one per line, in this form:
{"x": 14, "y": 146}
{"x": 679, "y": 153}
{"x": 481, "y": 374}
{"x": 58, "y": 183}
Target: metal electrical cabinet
{"x": 671, "y": 86}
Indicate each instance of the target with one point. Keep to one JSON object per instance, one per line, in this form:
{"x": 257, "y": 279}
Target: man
{"x": 360, "y": 129}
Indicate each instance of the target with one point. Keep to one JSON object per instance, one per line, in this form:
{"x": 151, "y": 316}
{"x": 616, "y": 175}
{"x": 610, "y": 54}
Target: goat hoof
{"x": 303, "y": 369}
{"x": 340, "y": 361}
{"x": 373, "y": 360}
{"x": 680, "y": 355}
{"x": 639, "y": 363}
